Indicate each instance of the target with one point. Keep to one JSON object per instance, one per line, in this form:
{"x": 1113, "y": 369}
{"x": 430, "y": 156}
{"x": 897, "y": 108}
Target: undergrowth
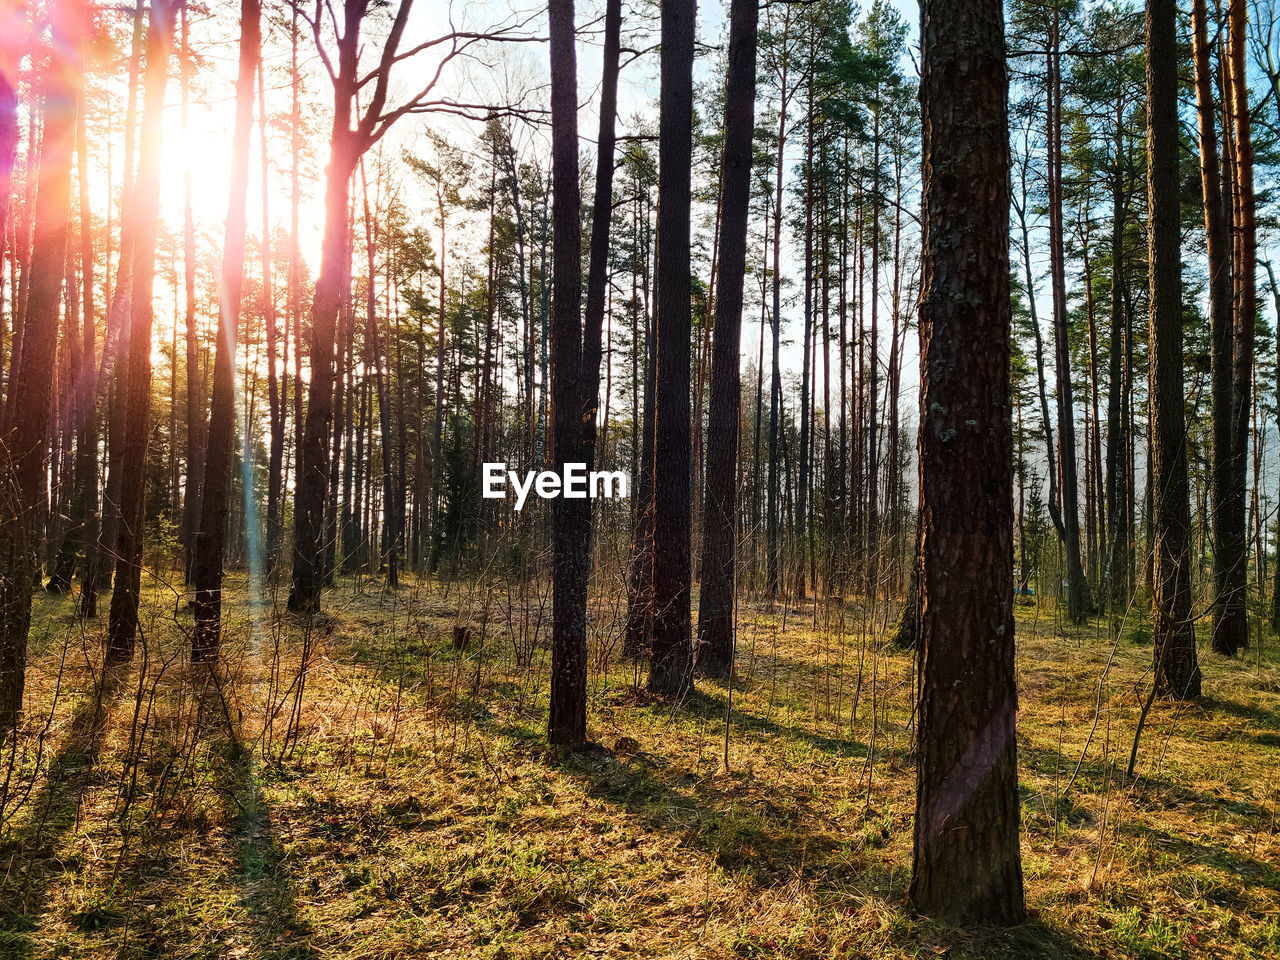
{"x": 376, "y": 784}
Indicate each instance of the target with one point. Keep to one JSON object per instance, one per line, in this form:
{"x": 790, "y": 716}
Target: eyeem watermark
{"x": 576, "y": 483}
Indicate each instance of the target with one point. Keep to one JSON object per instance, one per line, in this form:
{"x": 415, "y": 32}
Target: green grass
{"x": 416, "y": 811}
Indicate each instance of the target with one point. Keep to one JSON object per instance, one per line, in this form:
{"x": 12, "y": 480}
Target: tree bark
{"x": 25, "y": 443}
{"x": 671, "y": 661}
{"x": 966, "y": 848}
{"x": 123, "y": 624}
{"x": 1177, "y": 673}
{"x": 715, "y": 609}
{"x": 214, "y": 501}
{"x": 312, "y": 481}
{"x": 568, "y": 719}
{"x": 1231, "y": 560}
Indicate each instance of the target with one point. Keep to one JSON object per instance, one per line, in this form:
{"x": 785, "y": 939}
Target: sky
{"x": 198, "y": 145}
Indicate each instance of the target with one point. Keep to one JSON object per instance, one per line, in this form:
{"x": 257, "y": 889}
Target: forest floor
{"x": 402, "y": 802}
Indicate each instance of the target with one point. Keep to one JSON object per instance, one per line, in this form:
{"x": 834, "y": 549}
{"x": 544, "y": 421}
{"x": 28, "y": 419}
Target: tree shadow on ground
{"x": 29, "y": 856}
{"x": 1250, "y": 870}
{"x": 1219, "y": 705}
{"x": 267, "y": 893}
{"x": 1151, "y": 789}
{"x": 203, "y": 763}
{"x": 765, "y": 840}
{"x": 712, "y": 706}
{"x": 771, "y": 841}
{"x": 778, "y": 849}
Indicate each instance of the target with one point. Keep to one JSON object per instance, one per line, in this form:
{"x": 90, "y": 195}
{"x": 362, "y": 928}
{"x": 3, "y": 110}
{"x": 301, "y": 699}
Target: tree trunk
{"x": 111, "y": 373}
{"x": 275, "y": 401}
{"x": 1177, "y": 673}
{"x": 83, "y": 529}
{"x": 671, "y": 662}
{"x": 195, "y": 382}
{"x": 1217, "y": 233}
{"x": 570, "y": 545}
{"x": 123, "y": 623}
{"x": 1118, "y": 583}
{"x": 639, "y": 632}
{"x": 715, "y": 609}
{"x": 312, "y": 481}
{"x": 967, "y": 863}
{"x": 1231, "y": 560}
{"x": 211, "y": 537}
{"x": 1079, "y": 602}
{"x": 26, "y": 441}
{"x": 9, "y": 135}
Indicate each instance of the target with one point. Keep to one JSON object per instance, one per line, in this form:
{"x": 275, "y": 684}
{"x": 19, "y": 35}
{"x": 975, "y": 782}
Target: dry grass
{"x": 409, "y": 807}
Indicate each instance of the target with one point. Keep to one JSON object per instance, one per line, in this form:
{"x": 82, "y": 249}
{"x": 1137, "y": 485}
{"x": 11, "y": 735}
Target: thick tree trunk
{"x": 312, "y": 481}
{"x": 214, "y": 501}
{"x": 570, "y": 553}
{"x": 966, "y": 859}
{"x": 26, "y": 441}
{"x": 715, "y": 609}
{"x": 575, "y": 355}
{"x": 671, "y": 662}
{"x": 1177, "y": 673}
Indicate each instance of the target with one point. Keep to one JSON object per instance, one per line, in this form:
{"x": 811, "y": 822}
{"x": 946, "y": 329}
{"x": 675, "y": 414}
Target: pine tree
{"x": 966, "y": 847}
